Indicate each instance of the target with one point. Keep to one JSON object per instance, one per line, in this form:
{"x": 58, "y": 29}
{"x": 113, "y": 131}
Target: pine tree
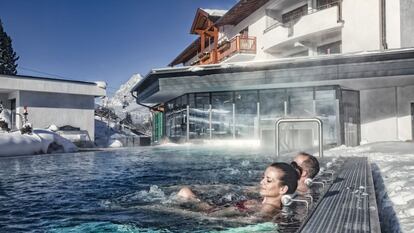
{"x": 8, "y": 57}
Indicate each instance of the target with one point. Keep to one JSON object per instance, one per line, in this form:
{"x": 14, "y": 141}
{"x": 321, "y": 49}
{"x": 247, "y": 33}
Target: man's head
{"x": 308, "y": 163}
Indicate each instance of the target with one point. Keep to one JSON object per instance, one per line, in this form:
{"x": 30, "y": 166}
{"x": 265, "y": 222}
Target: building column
{"x": 234, "y": 121}
{"x": 188, "y": 123}
{"x": 311, "y": 6}
{"x": 209, "y": 120}
{"x": 257, "y": 131}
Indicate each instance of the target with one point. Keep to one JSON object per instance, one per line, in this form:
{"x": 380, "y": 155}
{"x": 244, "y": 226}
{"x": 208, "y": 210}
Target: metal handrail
{"x": 290, "y": 120}
{"x": 309, "y": 12}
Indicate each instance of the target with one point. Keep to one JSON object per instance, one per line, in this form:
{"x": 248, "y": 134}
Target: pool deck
{"x": 349, "y": 205}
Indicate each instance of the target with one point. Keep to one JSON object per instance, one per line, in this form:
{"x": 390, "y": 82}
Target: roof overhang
{"x": 11, "y": 83}
{"x": 187, "y": 53}
{"x": 203, "y": 20}
{"x": 352, "y": 71}
{"x": 240, "y": 11}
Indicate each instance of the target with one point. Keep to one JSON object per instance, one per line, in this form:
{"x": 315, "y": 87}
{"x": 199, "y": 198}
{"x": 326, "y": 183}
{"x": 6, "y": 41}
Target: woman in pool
{"x": 278, "y": 179}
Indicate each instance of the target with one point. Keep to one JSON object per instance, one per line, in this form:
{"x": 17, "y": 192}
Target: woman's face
{"x": 271, "y": 185}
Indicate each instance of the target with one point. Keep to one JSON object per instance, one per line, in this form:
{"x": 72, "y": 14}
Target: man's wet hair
{"x": 311, "y": 164}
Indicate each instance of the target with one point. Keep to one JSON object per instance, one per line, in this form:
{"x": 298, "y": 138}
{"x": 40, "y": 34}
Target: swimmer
{"x": 310, "y": 168}
{"x": 278, "y": 179}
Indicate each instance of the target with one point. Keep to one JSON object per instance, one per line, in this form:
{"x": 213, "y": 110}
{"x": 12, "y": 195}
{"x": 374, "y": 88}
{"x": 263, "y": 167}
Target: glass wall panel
{"x": 300, "y": 102}
{"x": 298, "y": 136}
{"x": 199, "y": 115}
{"x": 169, "y": 107}
{"x": 272, "y": 107}
{"x": 272, "y": 103}
{"x": 351, "y": 118}
{"x": 326, "y": 110}
{"x": 222, "y": 114}
{"x": 175, "y": 118}
{"x": 246, "y": 114}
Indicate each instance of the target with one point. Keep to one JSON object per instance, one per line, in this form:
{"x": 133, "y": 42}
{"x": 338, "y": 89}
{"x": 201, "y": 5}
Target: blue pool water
{"x": 126, "y": 190}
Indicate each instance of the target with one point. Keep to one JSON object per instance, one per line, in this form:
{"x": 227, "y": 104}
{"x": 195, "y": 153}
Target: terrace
{"x": 239, "y": 48}
{"x": 302, "y": 24}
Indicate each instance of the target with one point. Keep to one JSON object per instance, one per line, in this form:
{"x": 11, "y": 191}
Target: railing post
{"x": 188, "y": 123}
{"x": 234, "y": 121}
{"x": 209, "y": 120}
{"x": 339, "y": 11}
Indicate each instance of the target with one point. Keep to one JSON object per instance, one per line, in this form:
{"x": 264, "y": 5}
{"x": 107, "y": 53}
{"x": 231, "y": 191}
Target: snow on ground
{"x": 40, "y": 141}
{"x": 123, "y": 102}
{"x": 110, "y": 134}
{"x": 393, "y": 174}
{"x": 5, "y": 116}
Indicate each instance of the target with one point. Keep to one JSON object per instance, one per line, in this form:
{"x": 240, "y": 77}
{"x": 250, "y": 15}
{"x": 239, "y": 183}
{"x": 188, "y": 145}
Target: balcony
{"x": 313, "y": 25}
{"x": 239, "y": 48}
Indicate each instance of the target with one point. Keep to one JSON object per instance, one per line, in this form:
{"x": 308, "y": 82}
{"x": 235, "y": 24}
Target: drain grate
{"x": 349, "y": 204}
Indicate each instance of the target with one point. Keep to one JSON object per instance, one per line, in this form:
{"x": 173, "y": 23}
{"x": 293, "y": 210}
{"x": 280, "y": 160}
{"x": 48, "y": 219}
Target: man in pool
{"x": 278, "y": 179}
{"x": 310, "y": 168}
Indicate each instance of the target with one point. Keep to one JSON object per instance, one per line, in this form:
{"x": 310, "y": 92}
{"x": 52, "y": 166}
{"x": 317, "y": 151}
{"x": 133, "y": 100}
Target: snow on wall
{"x": 38, "y": 142}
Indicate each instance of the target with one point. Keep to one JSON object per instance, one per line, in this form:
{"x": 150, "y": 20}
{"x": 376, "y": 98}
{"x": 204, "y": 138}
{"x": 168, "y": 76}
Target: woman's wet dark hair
{"x": 297, "y": 168}
{"x": 290, "y": 176}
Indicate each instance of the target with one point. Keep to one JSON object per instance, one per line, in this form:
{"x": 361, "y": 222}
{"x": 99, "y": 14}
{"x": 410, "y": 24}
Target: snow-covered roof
{"x": 215, "y": 12}
{"x": 42, "y": 84}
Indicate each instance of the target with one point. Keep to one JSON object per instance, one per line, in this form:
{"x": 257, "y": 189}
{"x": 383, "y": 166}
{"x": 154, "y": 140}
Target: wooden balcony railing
{"x": 226, "y": 49}
{"x": 239, "y": 44}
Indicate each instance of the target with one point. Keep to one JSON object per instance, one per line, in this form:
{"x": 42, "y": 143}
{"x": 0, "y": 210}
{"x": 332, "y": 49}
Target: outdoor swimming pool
{"x": 125, "y": 190}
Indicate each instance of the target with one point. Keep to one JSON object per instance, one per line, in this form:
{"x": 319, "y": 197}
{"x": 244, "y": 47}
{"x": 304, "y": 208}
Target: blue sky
{"x": 94, "y": 40}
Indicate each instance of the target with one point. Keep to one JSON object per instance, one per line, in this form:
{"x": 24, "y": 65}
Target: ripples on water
{"x": 123, "y": 191}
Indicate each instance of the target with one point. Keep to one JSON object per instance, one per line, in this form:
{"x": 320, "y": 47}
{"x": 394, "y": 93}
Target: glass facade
{"x": 222, "y": 122}
{"x": 175, "y": 118}
{"x": 199, "y": 115}
{"x": 246, "y": 114}
{"x": 326, "y": 107}
{"x": 252, "y": 115}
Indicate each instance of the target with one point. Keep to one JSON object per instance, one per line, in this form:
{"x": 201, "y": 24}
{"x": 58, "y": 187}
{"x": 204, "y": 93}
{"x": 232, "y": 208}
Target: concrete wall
{"x": 407, "y": 23}
{"x": 378, "y": 115}
{"x": 386, "y": 114}
{"x": 405, "y": 97}
{"x": 361, "y": 25}
{"x": 59, "y": 109}
{"x": 393, "y": 24}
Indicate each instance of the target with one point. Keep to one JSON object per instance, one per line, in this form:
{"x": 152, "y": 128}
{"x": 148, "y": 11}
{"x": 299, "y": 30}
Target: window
{"x": 295, "y": 14}
{"x": 272, "y": 103}
{"x": 331, "y": 48}
{"x": 246, "y": 114}
{"x": 322, "y": 4}
{"x": 244, "y": 32}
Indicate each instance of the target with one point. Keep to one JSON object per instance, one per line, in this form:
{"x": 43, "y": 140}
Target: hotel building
{"x": 349, "y": 63}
